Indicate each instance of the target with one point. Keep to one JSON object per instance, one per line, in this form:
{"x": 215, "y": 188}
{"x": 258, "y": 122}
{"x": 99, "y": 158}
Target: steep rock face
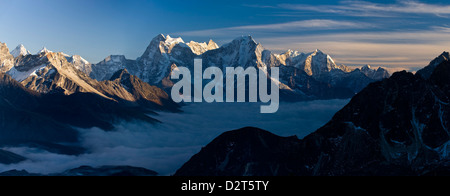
{"x": 135, "y": 90}
{"x": 6, "y": 59}
{"x": 399, "y": 126}
{"x": 160, "y": 55}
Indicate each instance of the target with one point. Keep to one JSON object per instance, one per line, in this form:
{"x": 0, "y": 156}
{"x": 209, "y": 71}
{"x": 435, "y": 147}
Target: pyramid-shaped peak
{"x": 212, "y": 45}
{"x": 20, "y": 46}
{"x": 20, "y": 50}
{"x": 211, "y": 42}
{"x": 44, "y": 50}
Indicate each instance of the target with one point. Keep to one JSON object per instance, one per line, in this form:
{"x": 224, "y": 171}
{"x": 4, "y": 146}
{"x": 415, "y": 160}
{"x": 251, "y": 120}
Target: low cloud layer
{"x": 165, "y": 147}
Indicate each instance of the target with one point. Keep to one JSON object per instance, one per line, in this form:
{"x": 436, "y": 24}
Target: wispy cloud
{"x": 365, "y": 8}
{"x": 392, "y": 49}
{"x": 354, "y": 32}
{"x": 295, "y": 26}
{"x": 311, "y": 24}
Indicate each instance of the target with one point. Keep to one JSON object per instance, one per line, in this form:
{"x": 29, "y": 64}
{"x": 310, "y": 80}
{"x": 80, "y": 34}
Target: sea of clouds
{"x": 165, "y": 147}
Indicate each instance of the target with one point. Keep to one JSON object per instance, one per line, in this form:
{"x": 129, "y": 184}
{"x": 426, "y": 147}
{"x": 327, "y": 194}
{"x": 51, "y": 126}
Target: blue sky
{"x": 395, "y": 34}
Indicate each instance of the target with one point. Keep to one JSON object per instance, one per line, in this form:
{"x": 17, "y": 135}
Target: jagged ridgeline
{"x": 303, "y": 76}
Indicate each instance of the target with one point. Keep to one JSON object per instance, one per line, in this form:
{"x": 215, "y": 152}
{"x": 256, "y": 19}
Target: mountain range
{"x": 303, "y": 76}
{"x": 45, "y": 97}
{"x": 397, "y": 126}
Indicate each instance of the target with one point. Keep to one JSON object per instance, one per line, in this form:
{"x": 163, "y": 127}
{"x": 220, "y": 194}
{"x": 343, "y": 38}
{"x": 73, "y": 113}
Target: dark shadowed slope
{"x": 245, "y": 152}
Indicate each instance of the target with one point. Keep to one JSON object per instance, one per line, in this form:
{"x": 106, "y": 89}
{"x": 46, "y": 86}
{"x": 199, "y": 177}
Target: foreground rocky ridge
{"x": 398, "y": 126}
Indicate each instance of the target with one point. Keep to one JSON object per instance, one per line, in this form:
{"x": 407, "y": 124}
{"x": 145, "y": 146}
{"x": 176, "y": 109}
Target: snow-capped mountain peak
{"x": 44, "y": 50}
{"x": 316, "y": 63}
{"x": 80, "y": 63}
{"x": 377, "y": 74}
{"x": 200, "y": 48}
{"x": 212, "y": 45}
{"x": 20, "y": 50}
{"x": 247, "y": 39}
{"x": 291, "y": 53}
{"x": 169, "y": 40}
{"x": 78, "y": 59}
{"x": 366, "y": 67}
